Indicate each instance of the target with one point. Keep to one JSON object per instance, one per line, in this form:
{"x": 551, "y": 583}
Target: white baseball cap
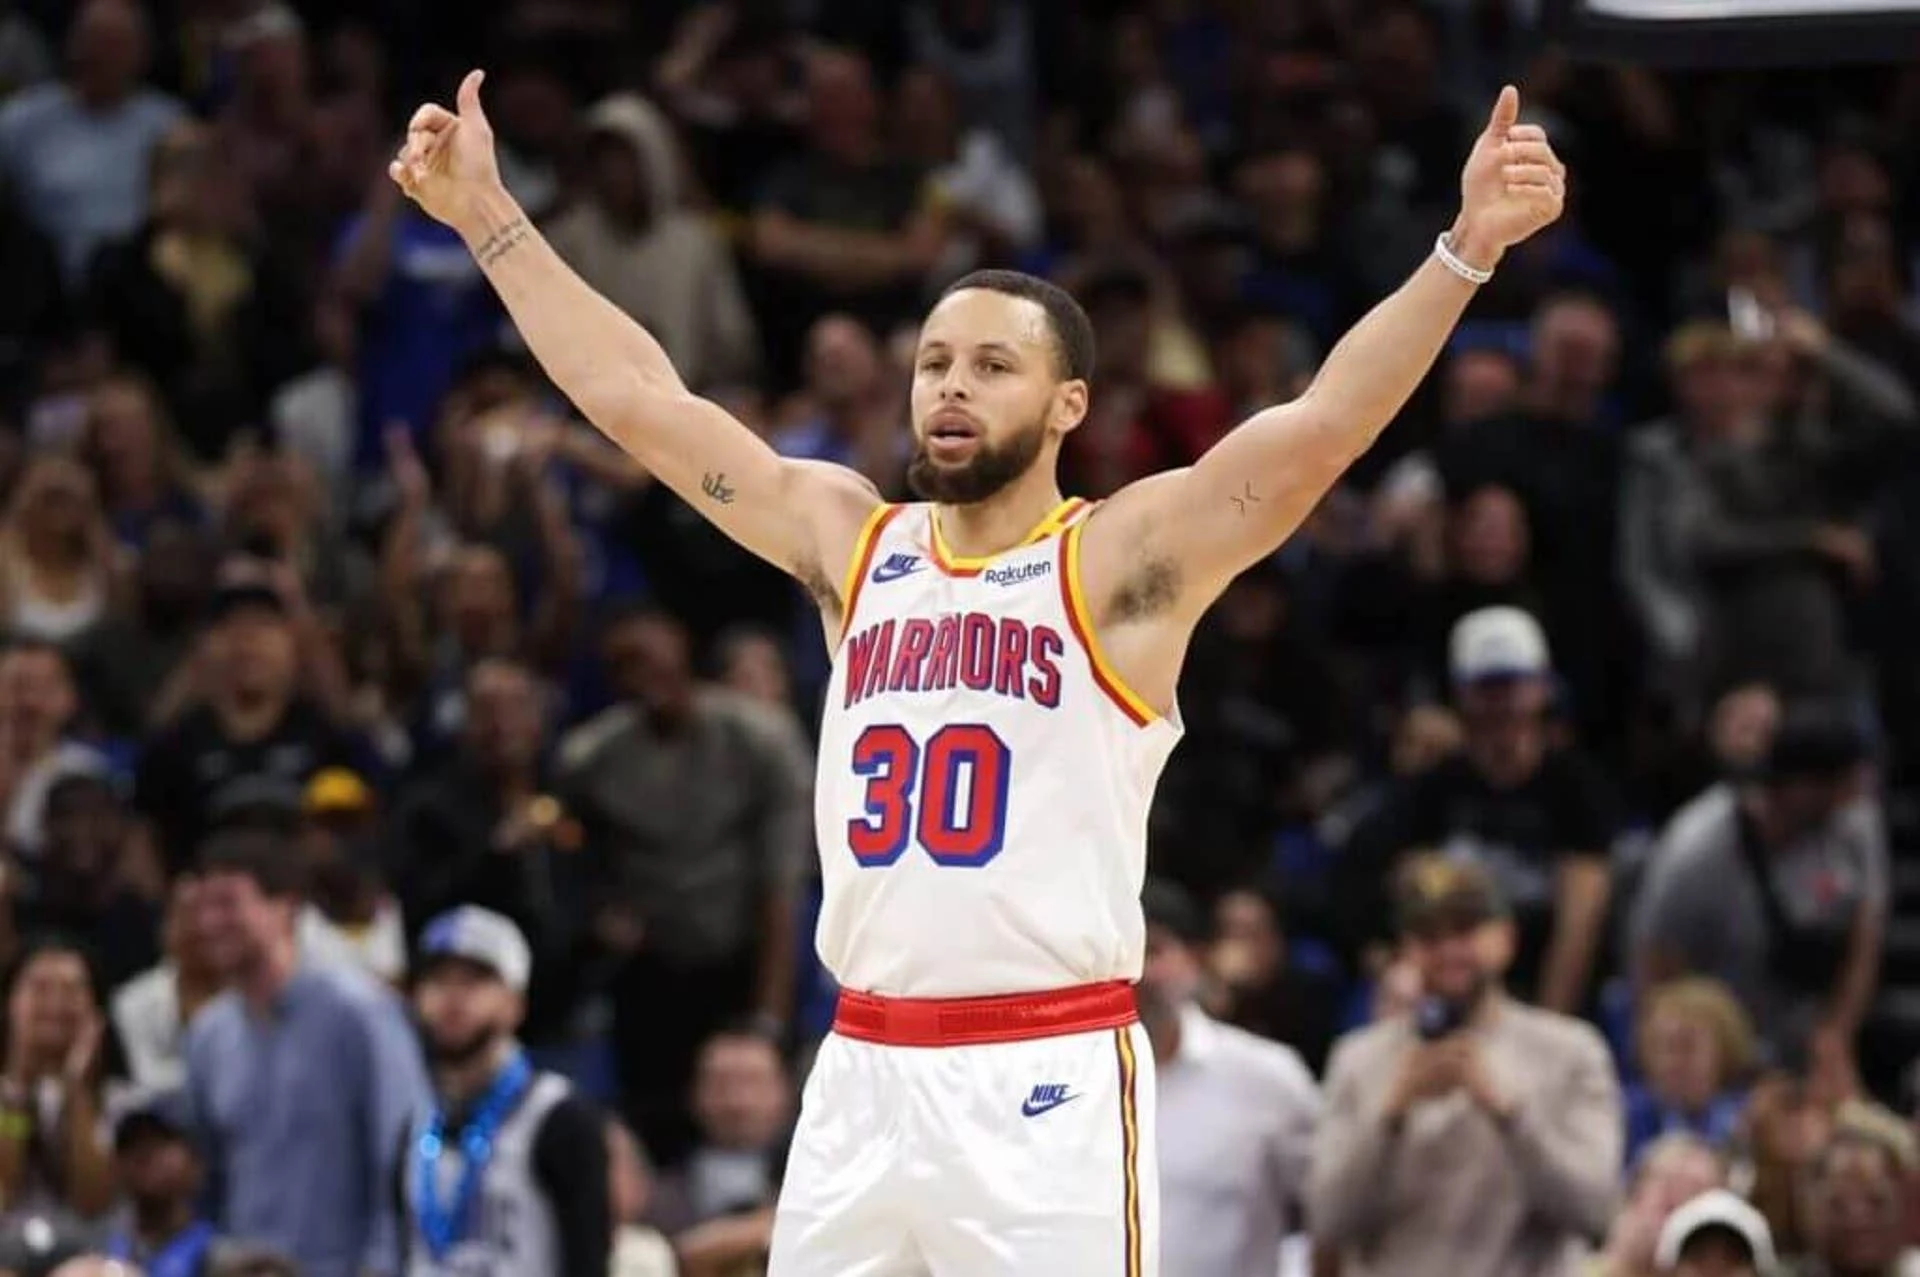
{"x": 1497, "y": 642}
{"x": 482, "y": 937}
{"x": 1716, "y": 1208}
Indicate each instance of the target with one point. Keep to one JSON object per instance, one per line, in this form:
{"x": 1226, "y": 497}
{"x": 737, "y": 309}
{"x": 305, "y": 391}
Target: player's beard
{"x": 991, "y": 468}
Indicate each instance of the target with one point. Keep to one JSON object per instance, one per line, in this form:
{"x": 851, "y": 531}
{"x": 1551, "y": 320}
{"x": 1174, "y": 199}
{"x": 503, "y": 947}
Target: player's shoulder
{"x": 833, "y": 489}
{"x": 580, "y": 746}
{"x": 836, "y": 476}
{"x": 1128, "y": 512}
{"x": 834, "y": 504}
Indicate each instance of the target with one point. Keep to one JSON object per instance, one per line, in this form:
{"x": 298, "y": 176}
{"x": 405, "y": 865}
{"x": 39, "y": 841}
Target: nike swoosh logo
{"x": 1030, "y": 1109}
{"x": 884, "y": 573}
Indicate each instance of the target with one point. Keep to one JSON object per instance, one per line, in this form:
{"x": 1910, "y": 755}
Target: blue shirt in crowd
{"x": 186, "y": 1254}
{"x": 434, "y": 314}
{"x": 81, "y": 174}
{"x": 1648, "y": 1119}
{"x": 300, "y": 1114}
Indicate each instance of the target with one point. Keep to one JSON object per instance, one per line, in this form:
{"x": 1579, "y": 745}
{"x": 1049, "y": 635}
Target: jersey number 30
{"x": 949, "y": 794}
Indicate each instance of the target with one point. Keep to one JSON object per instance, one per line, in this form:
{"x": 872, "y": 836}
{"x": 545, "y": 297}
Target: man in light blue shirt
{"x": 303, "y": 1079}
{"x": 75, "y": 152}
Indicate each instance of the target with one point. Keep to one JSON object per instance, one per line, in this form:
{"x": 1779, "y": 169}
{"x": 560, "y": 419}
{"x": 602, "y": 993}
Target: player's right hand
{"x": 447, "y": 164}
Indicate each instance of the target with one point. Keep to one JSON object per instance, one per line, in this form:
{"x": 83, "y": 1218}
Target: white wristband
{"x": 1451, "y": 260}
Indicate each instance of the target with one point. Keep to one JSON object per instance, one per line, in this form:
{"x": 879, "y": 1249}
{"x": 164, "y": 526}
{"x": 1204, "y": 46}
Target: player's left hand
{"x": 1513, "y": 184}
{"x": 447, "y": 164}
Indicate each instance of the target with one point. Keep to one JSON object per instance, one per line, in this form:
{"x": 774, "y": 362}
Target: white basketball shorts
{"x": 980, "y": 1137}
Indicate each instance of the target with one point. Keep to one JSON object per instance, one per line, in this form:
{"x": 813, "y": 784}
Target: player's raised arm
{"x": 802, "y": 517}
{"x": 1250, "y": 491}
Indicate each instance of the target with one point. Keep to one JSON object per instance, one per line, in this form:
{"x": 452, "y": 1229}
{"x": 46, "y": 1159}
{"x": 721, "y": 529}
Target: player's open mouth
{"x": 951, "y": 426}
{"x": 951, "y": 435}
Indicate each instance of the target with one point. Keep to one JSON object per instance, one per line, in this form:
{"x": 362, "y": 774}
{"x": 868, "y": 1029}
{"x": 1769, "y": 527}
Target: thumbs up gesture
{"x": 447, "y": 163}
{"x": 1513, "y": 185}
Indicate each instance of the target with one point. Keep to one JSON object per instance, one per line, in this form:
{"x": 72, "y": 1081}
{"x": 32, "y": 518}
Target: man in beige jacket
{"x": 1473, "y": 1134}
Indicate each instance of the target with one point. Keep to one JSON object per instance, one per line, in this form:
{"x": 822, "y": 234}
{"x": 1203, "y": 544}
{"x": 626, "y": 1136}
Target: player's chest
{"x": 920, "y": 631}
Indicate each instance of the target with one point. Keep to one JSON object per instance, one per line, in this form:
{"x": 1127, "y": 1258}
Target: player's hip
{"x": 1024, "y": 1071}
{"x": 1046, "y": 1142}
{"x": 1080, "y": 1008}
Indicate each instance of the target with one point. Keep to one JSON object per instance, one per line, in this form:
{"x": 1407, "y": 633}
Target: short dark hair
{"x": 255, "y": 851}
{"x": 1072, "y": 330}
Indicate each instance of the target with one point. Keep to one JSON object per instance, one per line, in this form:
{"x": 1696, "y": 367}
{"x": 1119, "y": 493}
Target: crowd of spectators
{"x": 1594, "y": 683}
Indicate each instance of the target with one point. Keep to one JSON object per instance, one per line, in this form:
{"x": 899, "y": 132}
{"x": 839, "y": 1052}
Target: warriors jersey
{"x": 984, "y": 777}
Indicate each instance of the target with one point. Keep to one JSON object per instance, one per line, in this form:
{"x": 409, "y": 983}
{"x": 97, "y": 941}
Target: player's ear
{"x": 1069, "y": 405}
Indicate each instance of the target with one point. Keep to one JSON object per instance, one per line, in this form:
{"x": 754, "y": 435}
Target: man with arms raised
{"x": 1000, "y": 708}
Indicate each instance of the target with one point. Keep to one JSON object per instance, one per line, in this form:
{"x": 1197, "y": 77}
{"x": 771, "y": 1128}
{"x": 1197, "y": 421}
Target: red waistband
{"x": 971, "y": 1021}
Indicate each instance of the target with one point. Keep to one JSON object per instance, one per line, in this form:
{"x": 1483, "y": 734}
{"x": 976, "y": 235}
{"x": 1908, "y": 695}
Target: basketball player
{"x": 1001, "y": 703}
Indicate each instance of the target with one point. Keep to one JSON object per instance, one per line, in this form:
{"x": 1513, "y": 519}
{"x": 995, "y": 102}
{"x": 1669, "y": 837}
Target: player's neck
{"x": 985, "y": 528}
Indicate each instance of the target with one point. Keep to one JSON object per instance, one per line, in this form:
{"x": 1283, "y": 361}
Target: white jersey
{"x": 984, "y": 777}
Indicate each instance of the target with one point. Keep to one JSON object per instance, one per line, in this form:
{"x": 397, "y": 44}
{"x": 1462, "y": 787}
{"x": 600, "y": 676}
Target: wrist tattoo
{"x": 503, "y": 241}
{"x": 715, "y": 486}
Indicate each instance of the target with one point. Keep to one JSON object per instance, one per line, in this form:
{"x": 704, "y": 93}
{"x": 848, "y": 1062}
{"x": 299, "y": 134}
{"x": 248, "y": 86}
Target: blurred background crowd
{"x": 323, "y": 615}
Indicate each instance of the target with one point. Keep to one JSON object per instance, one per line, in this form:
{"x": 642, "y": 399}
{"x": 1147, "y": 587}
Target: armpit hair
{"x": 825, "y": 594}
{"x": 1153, "y": 587}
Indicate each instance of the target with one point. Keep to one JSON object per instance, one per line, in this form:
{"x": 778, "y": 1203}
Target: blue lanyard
{"x": 180, "y": 1257}
{"x": 443, "y": 1224}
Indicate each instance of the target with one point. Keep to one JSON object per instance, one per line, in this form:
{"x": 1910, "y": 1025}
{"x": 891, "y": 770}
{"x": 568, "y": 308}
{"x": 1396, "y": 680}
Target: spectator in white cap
{"x": 507, "y": 1169}
{"x": 1540, "y": 817}
{"x": 1498, "y": 644}
{"x": 1716, "y": 1235}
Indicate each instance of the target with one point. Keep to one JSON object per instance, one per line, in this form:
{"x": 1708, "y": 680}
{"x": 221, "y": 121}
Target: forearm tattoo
{"x": 501, "y": 242}
{"x": 1240, "y": 502}
{"x": 715, "y": 486}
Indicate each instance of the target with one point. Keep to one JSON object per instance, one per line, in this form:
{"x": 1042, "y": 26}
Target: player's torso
{"x": 983, "y": 780}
